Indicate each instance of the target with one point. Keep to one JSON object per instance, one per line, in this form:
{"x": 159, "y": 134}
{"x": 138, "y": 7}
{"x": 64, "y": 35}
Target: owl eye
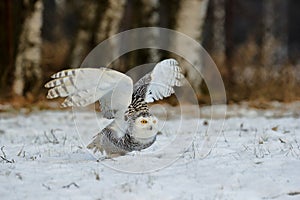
{"x": 154, "y": 121}
{"x": 143, "y": 121}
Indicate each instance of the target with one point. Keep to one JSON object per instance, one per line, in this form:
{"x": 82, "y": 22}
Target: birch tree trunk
{"x": 108, "y": 25}
{"x": 139, "y": 13}
{"x": 150, "y": 9}
{"x": 82, "y": 41}
{"x": 275, "y": 50}
{"x": 99, "y": 20}
{"x": 27, "y": 68}
{"x": 218, "y": 32}
{"x": 190, "y": 20}
{"x": 109, "y": 21}
{"x": 228, "y": 72}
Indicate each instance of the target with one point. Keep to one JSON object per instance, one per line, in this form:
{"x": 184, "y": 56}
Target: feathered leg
{"x": 96, "y": 143}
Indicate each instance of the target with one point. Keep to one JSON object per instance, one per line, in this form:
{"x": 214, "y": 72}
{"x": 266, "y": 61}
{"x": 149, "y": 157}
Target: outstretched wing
{"x": 160, "y": 82}
{"x": 85, "y": 86}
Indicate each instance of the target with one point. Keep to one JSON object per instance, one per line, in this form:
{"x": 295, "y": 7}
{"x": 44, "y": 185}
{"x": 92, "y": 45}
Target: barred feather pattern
{"x": 84, "y": 86}
{"x": 138, "y": 104}
{"x": 108, "y": 142}
{"x": 119, "y": 100}
{"x": 165, "y": 75}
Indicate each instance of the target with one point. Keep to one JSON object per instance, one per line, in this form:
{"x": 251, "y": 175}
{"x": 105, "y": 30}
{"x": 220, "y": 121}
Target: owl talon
{"x": 105, "y": 158}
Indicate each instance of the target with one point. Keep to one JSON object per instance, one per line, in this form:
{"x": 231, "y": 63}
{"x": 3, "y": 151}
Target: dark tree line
{"x": 255, "y": 43}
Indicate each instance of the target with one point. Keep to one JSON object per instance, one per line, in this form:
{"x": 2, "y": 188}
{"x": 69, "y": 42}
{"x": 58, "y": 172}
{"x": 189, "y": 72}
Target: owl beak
{"x": 150, "y": 128}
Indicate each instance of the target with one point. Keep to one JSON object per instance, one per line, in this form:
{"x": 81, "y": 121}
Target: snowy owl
{"x": 133, "y": 127}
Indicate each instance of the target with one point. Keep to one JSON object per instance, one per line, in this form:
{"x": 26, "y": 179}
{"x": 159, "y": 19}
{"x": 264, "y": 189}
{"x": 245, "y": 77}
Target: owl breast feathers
{"x": 133, "y": 128}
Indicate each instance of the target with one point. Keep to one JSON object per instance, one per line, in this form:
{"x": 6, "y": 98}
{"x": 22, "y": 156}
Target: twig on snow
{"x": 54, "y": 139}
{"x": 4, "y": 156}
{"x": 7, "y": 161}
{"x": 294, "y": 193}
{"x": 46, "y": 186}
{"x": 20, "y": 152}
{"x": 69, "y": 185}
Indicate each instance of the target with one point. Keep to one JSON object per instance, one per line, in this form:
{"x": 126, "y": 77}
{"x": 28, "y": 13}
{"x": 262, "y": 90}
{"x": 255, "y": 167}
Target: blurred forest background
{"x": 255, "y": 43}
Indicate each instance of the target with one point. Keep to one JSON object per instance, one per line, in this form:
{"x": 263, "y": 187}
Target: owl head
{"x": 145, "y": 127}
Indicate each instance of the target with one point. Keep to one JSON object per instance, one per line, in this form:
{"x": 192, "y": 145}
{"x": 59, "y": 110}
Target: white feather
{"x": 165, "y": 75}
{"x": 85, "y": 86}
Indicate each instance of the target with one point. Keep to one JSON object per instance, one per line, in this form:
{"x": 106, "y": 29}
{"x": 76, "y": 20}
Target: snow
{"x": 257, "y": 156}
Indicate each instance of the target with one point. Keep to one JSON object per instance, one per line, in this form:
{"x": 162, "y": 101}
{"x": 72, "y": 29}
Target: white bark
{"x": 28, "y": 59}
{"x": 191, "y": 16}
{"x": 190, "y": 21}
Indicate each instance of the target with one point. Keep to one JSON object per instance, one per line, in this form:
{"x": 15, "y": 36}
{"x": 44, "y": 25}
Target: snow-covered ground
{"x": 257, "y": 156}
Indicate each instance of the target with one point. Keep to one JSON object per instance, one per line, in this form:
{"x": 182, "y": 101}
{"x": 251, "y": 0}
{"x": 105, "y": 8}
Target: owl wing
{"x": 160, "y": 82}
{"x": 85, "y": 86}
